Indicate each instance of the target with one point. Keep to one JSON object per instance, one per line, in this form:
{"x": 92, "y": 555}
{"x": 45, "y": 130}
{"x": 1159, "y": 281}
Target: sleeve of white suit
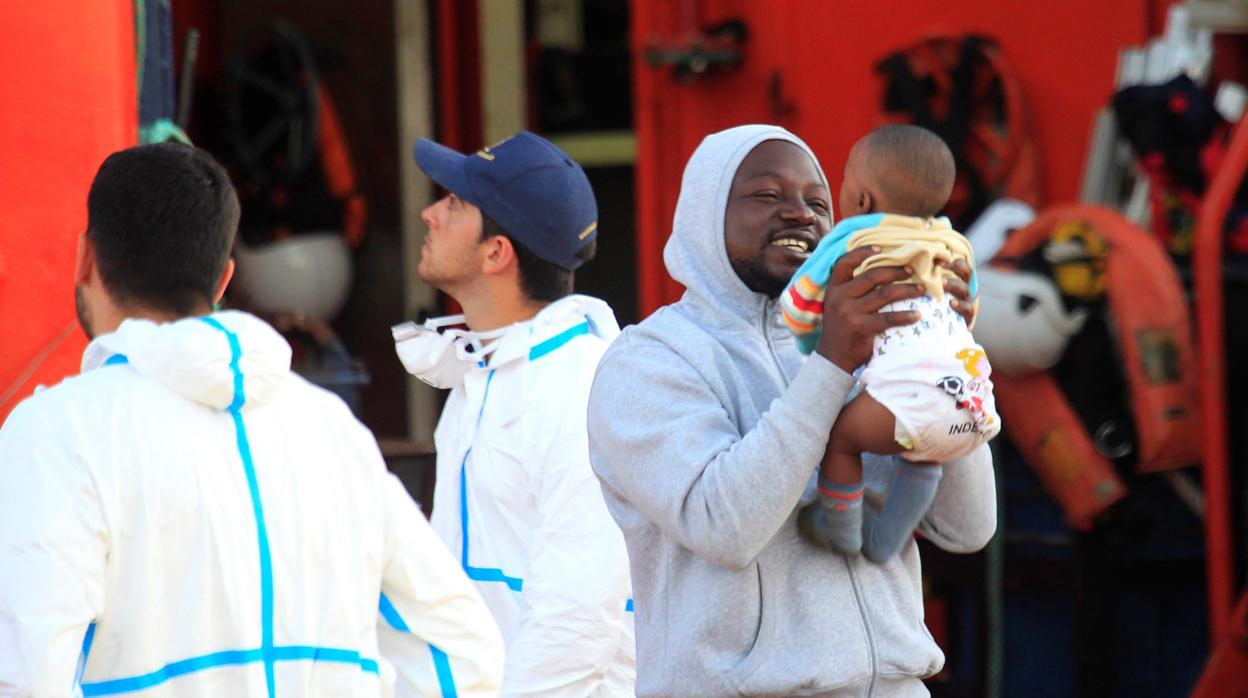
{"x": 53, "y": 557}
{"x": 436, "y": 631}
{"x": 578, "y": 579}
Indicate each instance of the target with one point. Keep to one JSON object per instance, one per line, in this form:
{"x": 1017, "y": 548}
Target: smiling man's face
{"x": 778, "y": 210}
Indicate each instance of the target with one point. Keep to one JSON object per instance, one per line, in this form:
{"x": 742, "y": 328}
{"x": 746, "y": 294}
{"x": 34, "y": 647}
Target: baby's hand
{"x": 959, "y": 289}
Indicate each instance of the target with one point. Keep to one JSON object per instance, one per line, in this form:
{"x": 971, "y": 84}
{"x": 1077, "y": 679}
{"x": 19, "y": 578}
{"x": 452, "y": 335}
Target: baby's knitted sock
{"x": 907, "y": 504}
{"x": 835, "y": 521}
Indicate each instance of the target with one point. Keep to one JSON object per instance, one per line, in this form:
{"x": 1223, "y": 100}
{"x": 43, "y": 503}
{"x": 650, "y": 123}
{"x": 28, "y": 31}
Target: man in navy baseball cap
{"x": 515, "y": 496}
{"x": 527, "y": 185}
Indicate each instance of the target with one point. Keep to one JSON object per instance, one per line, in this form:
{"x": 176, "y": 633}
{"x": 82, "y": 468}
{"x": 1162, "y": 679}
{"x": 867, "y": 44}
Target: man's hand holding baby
{"x": 851, "y": 317}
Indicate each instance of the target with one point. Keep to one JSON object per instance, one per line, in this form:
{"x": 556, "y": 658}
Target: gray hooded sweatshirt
{"x": 706, "y": 427}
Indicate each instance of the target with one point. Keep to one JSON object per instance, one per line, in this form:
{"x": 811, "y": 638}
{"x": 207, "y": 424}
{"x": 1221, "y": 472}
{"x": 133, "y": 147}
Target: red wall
{"x": 67, "y": 70}
{"x": 1063, "y": 52}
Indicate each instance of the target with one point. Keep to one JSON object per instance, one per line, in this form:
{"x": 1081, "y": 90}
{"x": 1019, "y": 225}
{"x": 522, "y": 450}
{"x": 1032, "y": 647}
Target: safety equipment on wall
{"x": 290, "y": 152}
{"x": 440, "y": 354}
{"x": 1022, "y": 323}
{"x": 271, "y": 101}
{"x": 307, "y": 275}
{"x": 1076, "y": 255}
{"x": 717, "y": 48}
{"x": 989, "y": 231}
{"x": 1151, "y": 332}
{"x": 962, "y": 89}
{"x": 1179, "y": 140}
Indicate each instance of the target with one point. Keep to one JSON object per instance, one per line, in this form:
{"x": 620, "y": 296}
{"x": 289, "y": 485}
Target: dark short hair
{"x": 914, "y": 167}
{"x": 539, "y": 280}
{"x": 162, "y": 219}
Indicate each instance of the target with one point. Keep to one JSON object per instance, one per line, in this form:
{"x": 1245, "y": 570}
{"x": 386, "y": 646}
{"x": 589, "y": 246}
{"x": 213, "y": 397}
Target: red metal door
{"x": 808, "y": 65}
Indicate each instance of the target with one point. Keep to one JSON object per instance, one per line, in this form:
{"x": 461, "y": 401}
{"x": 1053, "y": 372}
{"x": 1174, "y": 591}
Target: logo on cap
{"x": 485, "y": 153}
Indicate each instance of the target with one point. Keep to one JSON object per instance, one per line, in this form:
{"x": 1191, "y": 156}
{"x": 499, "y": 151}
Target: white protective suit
{"x": 188, "y": 517}
{"x": 517, "y": 501}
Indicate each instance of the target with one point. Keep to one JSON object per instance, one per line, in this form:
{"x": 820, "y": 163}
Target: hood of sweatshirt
{"x": 221, "y": 360}
{"x": 696, "y": 254}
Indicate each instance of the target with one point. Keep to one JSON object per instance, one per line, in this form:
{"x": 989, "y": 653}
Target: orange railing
{"x": 1210, "y": 330}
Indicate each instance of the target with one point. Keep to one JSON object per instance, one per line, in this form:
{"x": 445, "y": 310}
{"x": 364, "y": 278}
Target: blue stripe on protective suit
{"x": 169, "y": 671}
{"x": 87, "y": 639}
{"x": 267, "y": 652}
{"x": 244, "y": 450}
{"x": 441, "y": 663}
{"x": 491, "y": 574}
{"x": 558, "y": 340}
{"x": 227, "y": 658}
{"x": 478, "y": 574}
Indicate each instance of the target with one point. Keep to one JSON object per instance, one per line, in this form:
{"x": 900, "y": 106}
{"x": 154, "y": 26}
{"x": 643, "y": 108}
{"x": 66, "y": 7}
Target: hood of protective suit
{"x": 193, "y": 357}
{"x": 601, "y": 317}
{"x": 553, "y": 319}
{"x": 698, "y": 227}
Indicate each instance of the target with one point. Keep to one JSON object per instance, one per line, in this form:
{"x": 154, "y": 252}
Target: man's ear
{"x": 84, "y": 261}
{"x": 499, "y": 256}
{"x": 224, "y": 282}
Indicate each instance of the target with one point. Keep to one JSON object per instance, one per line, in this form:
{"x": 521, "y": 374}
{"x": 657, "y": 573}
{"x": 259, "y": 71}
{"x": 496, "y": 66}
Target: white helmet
{"x": 308, "y": 274}
{"x": 989, "y": 231}
{"x": 1022, "y": 322}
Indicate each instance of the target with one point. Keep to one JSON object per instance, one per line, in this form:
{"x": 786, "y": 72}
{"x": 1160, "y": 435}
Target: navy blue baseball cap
{"x": 527, "y": 185}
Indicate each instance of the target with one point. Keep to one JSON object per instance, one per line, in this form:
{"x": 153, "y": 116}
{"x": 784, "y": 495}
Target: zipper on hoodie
{"x": 866, "y": 625}
{"x": 768, "y": 310}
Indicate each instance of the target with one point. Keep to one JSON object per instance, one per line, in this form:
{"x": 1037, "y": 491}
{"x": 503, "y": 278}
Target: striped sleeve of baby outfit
{"x": 802, "y": 300}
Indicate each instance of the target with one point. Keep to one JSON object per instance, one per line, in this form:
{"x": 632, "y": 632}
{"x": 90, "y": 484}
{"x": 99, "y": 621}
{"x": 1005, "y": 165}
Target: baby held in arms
{"x": 926, "y": 392}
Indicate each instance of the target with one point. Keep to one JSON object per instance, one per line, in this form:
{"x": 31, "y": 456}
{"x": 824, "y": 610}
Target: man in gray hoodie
{"x": 706, "y": 427}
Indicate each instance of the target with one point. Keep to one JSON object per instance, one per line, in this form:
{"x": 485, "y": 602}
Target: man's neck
{"x": 492, "y": 311}
{"x": 112, "y": 318}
